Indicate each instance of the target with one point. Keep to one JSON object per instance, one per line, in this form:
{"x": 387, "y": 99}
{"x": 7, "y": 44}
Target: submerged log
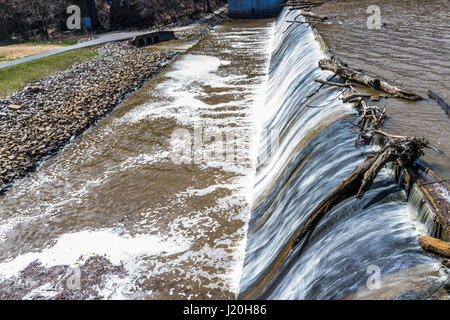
{"x": 441, "y": 102}
{"x": 434, "y": 245}
{"x": 312, "y": 15}
{"x": 346, "y": 189}
{"x": 402, "y": 151}
{"x": 301, "y": 3}
{"x": 359, "y": 77}
{"x": 331, "y": 83}
{"x": 371, "y": 97}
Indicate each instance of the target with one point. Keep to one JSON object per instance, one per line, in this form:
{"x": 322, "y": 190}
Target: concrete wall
{"x": 152, "y": 38}
{"x": 254, "y": 8}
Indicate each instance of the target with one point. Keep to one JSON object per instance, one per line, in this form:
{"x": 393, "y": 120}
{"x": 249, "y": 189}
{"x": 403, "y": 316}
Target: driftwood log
{"x": 441, "y": 102}
{"x": 359, "y": 77}
{"x": 434, "y": 245}
{"x": 304, "y": 8}
{"x": 371, "y": 97}
{"x": 312, "y": 15}
{"x": 302, "y": 4}
{"x": 371, "y": 119}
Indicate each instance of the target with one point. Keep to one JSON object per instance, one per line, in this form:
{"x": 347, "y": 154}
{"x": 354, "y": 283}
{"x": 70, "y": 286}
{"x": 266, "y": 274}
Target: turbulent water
{"x": 358, "y": 240}
{"x": 193, "y": 187}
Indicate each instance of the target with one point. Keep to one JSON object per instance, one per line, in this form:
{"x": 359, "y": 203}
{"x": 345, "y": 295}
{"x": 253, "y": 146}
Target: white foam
{"x": 72, "y": 248}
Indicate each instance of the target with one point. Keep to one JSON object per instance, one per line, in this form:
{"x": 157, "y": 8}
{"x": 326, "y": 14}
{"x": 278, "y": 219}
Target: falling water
{"x": 137, "y": 225}
{"x": 358, "y": 240}
{"x": 421, "y": 211}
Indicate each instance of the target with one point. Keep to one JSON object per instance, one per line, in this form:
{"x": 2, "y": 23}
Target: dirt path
{"x": 17, "y": 51}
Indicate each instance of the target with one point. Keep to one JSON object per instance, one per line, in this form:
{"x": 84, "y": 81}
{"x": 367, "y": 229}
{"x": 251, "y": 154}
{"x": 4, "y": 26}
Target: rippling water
{"x": 314, "y": 155}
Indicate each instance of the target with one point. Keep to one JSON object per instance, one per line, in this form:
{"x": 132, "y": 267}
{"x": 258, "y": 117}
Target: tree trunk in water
{"x": 357, "y": 183}
{"x": 359, "y": 77}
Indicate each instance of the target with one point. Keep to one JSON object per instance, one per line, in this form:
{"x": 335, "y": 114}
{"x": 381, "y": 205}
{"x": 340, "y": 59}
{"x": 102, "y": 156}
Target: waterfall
{"x": 421, "y": 211}
{"x": 306, "y": 150}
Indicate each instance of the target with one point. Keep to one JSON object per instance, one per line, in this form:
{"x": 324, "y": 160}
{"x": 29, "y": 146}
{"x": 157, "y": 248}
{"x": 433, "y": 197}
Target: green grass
{"x": 35, "y": 43}
{"x": 15, "y": 78}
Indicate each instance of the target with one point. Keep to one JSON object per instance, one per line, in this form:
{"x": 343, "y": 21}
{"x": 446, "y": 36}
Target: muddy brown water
{"x": 177, "y": 231}
{"x": 411, "y": 49}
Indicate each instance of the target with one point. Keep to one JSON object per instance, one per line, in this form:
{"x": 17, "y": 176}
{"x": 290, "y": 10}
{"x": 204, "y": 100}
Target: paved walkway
{"x": 101, "y": 39}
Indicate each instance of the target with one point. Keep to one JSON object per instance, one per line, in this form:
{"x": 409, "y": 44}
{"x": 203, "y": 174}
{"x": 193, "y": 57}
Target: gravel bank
{"x": 198, "y": 31}
{"x": 57, "y": 109}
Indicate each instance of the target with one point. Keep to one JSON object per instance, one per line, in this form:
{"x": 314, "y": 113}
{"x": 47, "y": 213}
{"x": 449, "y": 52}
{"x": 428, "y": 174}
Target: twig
{"x": 441, "y": 102}
{"x": 337, "y": 84}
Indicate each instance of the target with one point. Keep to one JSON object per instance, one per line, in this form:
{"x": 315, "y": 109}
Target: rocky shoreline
{"x": 39, "y": 120}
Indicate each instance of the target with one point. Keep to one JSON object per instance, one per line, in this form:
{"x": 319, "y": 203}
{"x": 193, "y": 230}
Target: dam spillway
{"x": 315, "y": 153}
{"x": 138, "y": 223}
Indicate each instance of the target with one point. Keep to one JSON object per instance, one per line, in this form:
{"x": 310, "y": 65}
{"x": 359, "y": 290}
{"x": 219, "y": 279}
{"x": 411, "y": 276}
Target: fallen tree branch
{"x": 441, "y": 102}
{"x": 303, "y": 22}
{"x": 311, "y": 15}
{"x": 363, "y": 96}
{"x": 404, "y": 152}
{"x": 359, "y": 77}
{"x": 306, "y": 7}
{"x": 302, "y": 4}
{"x": 390, "y": 136}
{"x": 305, "y": 14}
{"x": 429, "y": 146}
{"x": 371, "y": 119}
{"x": 331, "y": 83}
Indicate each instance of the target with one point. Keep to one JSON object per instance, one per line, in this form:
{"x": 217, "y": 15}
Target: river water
{"x": 193, "y": 187}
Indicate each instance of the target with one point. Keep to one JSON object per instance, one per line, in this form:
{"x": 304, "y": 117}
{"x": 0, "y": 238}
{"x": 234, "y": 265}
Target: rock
{"x": 14, "y": 106}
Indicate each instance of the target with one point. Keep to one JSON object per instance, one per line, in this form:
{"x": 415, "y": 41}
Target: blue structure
{"x": 245, "y": 9}
{"x": 87, "y": 23}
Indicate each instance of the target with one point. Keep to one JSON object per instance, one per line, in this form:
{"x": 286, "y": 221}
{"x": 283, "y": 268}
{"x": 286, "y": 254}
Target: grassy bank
{"x": 17, "y": 77}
